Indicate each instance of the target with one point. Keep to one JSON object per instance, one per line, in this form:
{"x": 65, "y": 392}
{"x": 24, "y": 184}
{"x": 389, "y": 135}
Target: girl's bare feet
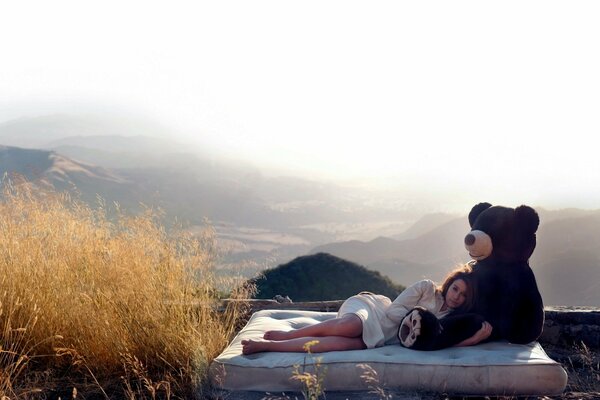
{"x": 277, "y": 335}
{"x": 250, "y": 346}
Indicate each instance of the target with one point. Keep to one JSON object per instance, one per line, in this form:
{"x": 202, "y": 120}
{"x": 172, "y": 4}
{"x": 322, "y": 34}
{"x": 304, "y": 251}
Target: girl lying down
{"x": 370, "y": 320}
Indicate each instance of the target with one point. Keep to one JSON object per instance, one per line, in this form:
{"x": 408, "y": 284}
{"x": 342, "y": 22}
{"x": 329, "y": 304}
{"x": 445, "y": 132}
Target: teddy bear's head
{"x": 502, "y": 234}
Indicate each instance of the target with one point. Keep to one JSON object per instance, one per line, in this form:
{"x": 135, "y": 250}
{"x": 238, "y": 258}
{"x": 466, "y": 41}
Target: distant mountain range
{"x": 186, "y": 183}
{"x": 566, "y": 261}
{"x": 430, "y": 254}
{"x": 49, "y": 131}
{"x": 260, "y": 219}
{"x": 109, "y": 142}
{"x": 51, "y": 170}
{"x": 180, "y": 192}
{"x": 425, "y": 224}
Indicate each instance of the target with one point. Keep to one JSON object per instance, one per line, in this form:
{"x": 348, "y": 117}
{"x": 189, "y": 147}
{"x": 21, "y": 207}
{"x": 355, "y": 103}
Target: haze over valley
{"x": 263, "y": 219}
{"x": 260, "y": 217}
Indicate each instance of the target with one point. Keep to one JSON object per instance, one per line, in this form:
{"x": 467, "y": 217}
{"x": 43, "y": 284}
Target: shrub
{"x": 322, "y": 276}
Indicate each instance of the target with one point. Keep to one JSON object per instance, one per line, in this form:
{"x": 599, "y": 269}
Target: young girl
{"x": 370, "y": 320}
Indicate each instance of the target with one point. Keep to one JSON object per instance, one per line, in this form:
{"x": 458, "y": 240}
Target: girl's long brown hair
{"x": 464, "y": 273}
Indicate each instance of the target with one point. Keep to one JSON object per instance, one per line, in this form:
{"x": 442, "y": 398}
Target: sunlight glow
{"x": 500, "y": 98}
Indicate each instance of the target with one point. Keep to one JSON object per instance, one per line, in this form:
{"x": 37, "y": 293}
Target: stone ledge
{"x": 564, "y": 326}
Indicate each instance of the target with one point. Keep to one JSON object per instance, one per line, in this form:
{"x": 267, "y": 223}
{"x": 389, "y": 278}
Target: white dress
{"x": 381, "y": 317}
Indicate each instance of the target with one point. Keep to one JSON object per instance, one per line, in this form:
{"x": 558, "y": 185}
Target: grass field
{"x": 93, "y": 306}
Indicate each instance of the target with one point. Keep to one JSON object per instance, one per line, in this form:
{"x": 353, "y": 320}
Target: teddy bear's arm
{"x": 528, "y": 319}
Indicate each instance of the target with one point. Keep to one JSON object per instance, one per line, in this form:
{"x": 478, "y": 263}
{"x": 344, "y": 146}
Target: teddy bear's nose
{"x": 469, "y": 239}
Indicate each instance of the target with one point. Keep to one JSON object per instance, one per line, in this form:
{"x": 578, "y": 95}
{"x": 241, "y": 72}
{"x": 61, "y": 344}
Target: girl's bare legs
{"x": 325, "y": 343}
{"x": 348, "y": 325}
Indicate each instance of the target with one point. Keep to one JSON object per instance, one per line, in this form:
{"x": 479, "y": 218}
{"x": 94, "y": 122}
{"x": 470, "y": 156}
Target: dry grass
{"x": 371, "y": 378}
{"x": 312, "y": 382}
{"x": 310, "y": 377}
{"x": 582, "y": 364}
{"x": 93, "y": 306}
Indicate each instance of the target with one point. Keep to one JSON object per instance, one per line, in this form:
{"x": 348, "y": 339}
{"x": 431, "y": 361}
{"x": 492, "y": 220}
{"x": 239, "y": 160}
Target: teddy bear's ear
{"x": 476, "y": 210}
{"x": 527, "y": 219}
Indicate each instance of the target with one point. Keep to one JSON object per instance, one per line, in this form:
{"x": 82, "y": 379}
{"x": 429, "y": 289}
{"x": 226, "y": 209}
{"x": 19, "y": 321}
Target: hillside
{"x": 49, "y": 169}
{"x": 322, "y": 277}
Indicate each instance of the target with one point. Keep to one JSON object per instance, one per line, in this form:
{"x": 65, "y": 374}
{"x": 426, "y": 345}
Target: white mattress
{"x": 488, "y": 369}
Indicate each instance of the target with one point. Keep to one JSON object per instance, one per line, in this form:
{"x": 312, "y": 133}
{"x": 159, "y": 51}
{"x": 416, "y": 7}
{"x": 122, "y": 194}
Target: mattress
{"x": 496, "y": 368}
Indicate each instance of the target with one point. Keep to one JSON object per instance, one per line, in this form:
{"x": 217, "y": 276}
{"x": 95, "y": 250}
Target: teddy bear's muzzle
{"x": 478, "y": 244}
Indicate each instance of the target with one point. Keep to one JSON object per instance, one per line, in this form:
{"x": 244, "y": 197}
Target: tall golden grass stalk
{"x": 312, "y": 382}
{"x": 371, "y": 378}
{"x": 110, "y": 306}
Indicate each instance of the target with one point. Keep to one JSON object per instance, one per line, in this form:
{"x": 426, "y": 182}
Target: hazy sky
{"x": 497, "y": 98}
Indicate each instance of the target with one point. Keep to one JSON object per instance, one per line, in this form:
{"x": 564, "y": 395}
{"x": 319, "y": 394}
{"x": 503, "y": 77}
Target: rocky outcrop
{"x": 565, "y": 326}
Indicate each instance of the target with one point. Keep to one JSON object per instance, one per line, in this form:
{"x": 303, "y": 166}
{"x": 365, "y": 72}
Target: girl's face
{"x": 456, "y": 294}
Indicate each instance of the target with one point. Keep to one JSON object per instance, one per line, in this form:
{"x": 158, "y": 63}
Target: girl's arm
{"x": 408, "y": 299}
{"x": 480, "y": 335}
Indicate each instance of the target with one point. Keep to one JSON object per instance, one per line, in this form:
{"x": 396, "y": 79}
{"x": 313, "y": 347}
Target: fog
{"x": 459, "y": 102}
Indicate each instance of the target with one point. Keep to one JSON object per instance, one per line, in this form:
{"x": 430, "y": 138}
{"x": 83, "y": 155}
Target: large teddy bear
{"x": 501, "y": 241}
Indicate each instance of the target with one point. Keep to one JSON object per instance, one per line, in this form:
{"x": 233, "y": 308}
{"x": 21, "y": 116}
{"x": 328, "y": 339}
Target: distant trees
{"x": 322, "y": 277}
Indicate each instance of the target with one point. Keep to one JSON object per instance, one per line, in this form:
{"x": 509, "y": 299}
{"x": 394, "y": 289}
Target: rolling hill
{"x": 50, "y": 169}
{"x": 322, "y": 277}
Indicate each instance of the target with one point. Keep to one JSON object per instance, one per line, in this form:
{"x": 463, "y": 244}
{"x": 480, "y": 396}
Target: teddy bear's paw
{"x": 410, "y": 328}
